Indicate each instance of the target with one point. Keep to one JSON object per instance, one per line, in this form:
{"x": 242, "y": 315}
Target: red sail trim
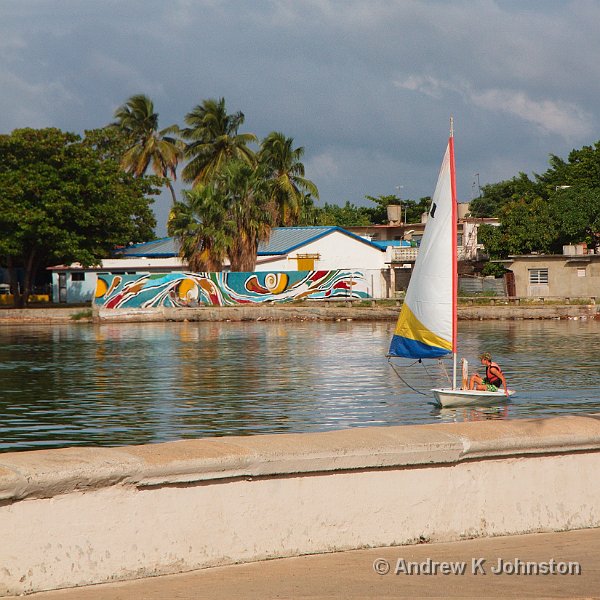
{"x": 454, "y": 243}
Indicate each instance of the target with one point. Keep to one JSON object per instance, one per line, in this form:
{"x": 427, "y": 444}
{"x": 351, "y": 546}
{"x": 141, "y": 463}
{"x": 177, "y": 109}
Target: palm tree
{"x": 213, "y": 141}
{"x": 248, "y": 206}
{"x": 203, "y": 227}
{"x": 227, "y": 217}
{"x": 286, "y": 177}
{"x": 147, "y": 145}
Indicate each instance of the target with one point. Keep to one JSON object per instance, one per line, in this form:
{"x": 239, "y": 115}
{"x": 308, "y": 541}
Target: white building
{"x": 288, "y": 249}
{"x": 76, "y": 284}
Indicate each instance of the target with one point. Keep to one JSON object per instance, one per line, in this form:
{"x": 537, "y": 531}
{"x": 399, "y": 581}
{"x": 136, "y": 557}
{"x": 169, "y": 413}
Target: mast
{"x": 454, "y": 251}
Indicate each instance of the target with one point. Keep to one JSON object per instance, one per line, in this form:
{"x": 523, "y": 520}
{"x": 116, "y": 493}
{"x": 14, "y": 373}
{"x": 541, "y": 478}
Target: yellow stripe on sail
{"x": 410, "y": 327}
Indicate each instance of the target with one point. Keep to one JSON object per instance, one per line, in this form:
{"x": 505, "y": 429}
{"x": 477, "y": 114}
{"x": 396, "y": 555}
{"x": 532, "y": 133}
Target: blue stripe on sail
{"x": 407, "y": 348}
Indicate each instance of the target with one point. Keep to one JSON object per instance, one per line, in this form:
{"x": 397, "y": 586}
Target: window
{"x": 77, "y": 276}
{"x": 538, "y": 276}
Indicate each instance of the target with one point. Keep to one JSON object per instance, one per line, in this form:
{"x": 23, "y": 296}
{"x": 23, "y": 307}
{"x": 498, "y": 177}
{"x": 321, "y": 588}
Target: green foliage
{"x": 495, "y": 195}
{"x": 411, "y": 210}
{"x": 248, "y": 199}
{"x": 493, "y": 269}
{"x": 108, "y": 143}
{"x": 145, "y": 145}
{"x": 288, "y": 189}
{"x": 562, "y": 206}
{"x": 577, "y": 215}
{"x": 62, "y": 201}
{"x": 83, "y": 314}
{"x": 581, "y": 169}
{"x": 350, "y": 215}
{"x": 226, "y": 218}
{"x": 345, "y": 216}
{"x": 378, "y": 215}
{"x": 213, "y": 140}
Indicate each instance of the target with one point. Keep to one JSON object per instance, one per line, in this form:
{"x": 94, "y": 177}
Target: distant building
{"x": 403, "y": 240}
{"x": 384, "y": 253}
{"x": 288, "y": 249}
{"x": 76, "y": 284}
{"x": 572, "y": 274}
{"x": 291, "y": 249}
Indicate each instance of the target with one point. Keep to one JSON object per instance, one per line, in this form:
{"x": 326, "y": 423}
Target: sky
{"x": 367, "y": 88}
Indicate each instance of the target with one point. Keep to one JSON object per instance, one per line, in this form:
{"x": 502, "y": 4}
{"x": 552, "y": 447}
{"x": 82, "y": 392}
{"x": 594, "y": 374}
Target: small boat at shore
{"x": 427, "y": 326}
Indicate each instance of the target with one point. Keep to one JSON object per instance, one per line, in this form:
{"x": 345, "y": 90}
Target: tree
{"x": 495, "y": 195}
{"x": 247, "y": 199}
{"x": 411, "y": 210}
{"x": 577, "y": 215}
{"x": 562, "y": 206}
{"x": 108, "y": 143}
{"x": 213, "y": 140}
{"x": 147, "y": 146}
{"x": 203, "y": 228}
{"x": 285, "y": 172}
{"x": 226, "y": 218}
{"x": 527, "y": 225}
{"x": 378, "y": 214}
{"x": 581, "y": 169}
{"x": 62, "y": 202}
{"x": 345, "y": 216}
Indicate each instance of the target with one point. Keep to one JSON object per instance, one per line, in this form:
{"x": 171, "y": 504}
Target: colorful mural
{"x": 225, "y": 289}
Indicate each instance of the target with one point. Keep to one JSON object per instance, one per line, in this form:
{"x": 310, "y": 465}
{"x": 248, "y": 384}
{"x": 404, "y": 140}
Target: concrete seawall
{"x": 338, "y": 313}
{"x": 288, "y": 312}
{"x": 78, "y": 516}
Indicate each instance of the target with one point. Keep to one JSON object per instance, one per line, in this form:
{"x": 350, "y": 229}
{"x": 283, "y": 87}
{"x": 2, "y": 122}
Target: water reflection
{"x": 120, "y": 384}
{"x": 473, "y": 413}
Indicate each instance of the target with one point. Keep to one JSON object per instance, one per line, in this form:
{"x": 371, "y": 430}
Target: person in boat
{"x": 494, "y": 378}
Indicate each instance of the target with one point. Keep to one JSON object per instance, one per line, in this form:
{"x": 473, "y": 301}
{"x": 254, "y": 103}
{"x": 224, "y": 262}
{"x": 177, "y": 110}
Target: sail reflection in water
{"x": 119, "y": 384}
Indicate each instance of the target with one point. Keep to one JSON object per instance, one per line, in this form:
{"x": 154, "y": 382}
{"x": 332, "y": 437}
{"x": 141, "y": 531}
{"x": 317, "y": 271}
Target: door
{"x": 511, "y": 288}
{"x": 62, "y": 287}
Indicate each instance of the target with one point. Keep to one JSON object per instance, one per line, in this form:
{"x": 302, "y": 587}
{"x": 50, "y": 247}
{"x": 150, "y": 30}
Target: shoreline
{"x": 285, "y": 312}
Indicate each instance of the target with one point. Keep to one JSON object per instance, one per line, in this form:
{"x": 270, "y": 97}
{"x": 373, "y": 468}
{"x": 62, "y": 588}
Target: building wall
{"x": 227, "y": 288}
{"x": 568, "y": 276}
{"x": 80, "y": 516}
{"x": 335, "y": 251}
{"x": 75, "y": 292}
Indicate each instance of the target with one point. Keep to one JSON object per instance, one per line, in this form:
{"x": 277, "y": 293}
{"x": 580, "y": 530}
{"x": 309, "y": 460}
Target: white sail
{"x": 426, "y": 326}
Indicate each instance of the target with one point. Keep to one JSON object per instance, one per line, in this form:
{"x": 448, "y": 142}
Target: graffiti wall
{"x": 225, "y": 289}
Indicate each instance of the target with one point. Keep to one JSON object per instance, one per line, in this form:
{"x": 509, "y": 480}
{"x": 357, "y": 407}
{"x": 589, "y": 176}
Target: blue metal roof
{"x": 162, "y": 248}
{"x": 282, "y": 241}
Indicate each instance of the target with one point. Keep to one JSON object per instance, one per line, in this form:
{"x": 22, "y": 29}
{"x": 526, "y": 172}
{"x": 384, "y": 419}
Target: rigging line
{"x": 403, "y": 380}
{"x": 443, "y": 367}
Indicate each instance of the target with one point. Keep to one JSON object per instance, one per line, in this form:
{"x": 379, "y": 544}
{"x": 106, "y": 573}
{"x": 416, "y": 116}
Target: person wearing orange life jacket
{"x": 494, "y": 378}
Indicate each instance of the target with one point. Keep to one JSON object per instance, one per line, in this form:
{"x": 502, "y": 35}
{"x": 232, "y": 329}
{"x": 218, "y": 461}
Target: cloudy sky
{"x": 366, "y": 87}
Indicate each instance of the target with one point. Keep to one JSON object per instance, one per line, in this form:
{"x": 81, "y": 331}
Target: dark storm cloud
{"x": 366, "y": 87}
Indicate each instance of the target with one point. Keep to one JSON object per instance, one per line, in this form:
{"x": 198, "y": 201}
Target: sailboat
{"x": 427, "y": 324}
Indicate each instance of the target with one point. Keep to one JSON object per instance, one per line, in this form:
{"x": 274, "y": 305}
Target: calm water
{"x": 122, "y": 384}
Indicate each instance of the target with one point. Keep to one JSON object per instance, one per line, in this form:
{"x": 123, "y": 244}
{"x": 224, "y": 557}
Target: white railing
{"x": 405, "y": 254}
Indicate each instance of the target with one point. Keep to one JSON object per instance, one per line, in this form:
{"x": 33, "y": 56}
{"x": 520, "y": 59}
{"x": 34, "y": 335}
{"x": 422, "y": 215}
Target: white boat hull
{"x": 449, "y": 397}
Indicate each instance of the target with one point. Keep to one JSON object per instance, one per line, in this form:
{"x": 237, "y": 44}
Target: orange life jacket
{"x": 492, "y": 377}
